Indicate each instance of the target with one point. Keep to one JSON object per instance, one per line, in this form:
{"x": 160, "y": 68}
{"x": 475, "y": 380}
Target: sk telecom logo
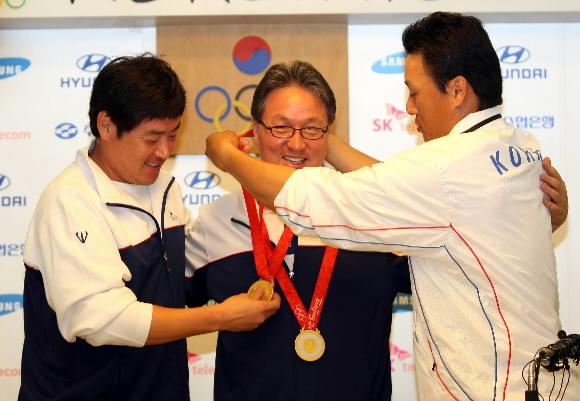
{"x": 513, "y": 54}
{"x": 4, "y": 182}
{"x": 192, "y": 358}
{"x": 202, "y": 180}
{"x": 395, "y": 120}
{"x": 391, "y": 64}
{"x": 11, "y": 66}
{"x": 92, "y": 62}
{"x": 399, "y": 359}
{"x": 198, "y": 366}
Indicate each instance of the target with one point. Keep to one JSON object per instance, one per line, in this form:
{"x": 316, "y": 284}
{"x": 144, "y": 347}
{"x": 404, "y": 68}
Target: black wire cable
{"x": 567, "y": 370}
{"x": 561, "y": 385}
{"x": 553, "y": 386}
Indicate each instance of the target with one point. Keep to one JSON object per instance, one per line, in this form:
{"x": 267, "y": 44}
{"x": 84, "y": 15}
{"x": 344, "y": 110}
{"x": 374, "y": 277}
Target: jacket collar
{"x": 474, "y": 118}
{"x": 106, "y": 189}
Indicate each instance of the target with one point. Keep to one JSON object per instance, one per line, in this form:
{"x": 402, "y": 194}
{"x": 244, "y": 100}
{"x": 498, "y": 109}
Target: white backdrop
{"x": 44, "y": 93}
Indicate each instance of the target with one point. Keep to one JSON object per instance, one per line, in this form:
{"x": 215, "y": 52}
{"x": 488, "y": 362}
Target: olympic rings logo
{"x": 14, "y": 4}
{"x": 223, "y": 111}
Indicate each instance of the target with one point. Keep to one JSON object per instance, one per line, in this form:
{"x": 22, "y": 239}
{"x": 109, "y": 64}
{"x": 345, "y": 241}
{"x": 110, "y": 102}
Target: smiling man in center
{"x": 330, "y": 338}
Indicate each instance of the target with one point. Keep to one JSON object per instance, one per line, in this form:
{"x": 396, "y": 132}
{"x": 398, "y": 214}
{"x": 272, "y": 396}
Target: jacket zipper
{"x": 158, "y": 227}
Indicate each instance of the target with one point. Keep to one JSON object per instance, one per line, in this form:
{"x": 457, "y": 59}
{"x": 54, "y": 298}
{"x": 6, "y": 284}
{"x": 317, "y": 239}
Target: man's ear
{"x": 107, "y": 129}
{"x": 457, "y": 88}
{"x": 255, "y": 125}
{"x": 255, "y": 128}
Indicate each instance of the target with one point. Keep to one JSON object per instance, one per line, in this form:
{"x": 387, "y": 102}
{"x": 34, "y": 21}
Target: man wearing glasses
{"x": 330, "y": 338}
{"x": 470, "y": 217}
{"x": 344, "y": 355}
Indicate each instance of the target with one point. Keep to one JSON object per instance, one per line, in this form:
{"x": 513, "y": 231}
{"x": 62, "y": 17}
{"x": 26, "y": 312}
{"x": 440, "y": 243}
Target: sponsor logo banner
{"x": 10, "y": 303}
{"x": 11, "y": 66}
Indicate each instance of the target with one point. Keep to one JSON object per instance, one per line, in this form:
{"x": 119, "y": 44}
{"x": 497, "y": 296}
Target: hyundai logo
{"x": 4, "y": 182}
{"x": 513, "y": 54}
{"x": 202, "y": 180}
{"x": 11, "y": 66}
{"x": 391, "y": 64}
{"x": 66, "y": 130}
{"x": 92, "y": 62}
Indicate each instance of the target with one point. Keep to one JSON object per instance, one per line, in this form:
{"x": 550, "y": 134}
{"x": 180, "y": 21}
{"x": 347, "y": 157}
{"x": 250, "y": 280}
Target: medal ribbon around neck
{"x": 268, "y": 261}
{"x": 266, "y": 265}
{"x": 263, "y": 250}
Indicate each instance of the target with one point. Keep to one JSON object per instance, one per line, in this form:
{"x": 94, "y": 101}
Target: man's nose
{"x": 164, "y": 148}
{"x": 410, "y": 106}
{"x": 296, "y": 141}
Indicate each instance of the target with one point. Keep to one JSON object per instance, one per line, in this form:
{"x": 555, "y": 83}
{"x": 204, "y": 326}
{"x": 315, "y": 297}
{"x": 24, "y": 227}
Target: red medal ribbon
{"x": 268, "y": 261}
{"x": 263, "y": 249}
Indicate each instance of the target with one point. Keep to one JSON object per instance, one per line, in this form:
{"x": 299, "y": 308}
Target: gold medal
{"x": 268, "y": 287}
{"x": 309, "y": 345}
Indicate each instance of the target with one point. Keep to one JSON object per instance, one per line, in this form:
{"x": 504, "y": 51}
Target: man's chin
{"x": 148, "y": 180}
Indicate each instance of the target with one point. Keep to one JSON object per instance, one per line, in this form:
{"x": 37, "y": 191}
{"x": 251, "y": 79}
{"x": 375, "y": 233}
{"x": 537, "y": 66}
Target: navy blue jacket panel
{"x": 355, "y": 324}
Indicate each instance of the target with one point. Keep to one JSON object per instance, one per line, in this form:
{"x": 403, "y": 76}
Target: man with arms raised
{"x": 465, "y": 206}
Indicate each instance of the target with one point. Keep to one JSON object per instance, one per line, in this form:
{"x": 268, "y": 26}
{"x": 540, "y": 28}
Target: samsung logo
{"x": 10, "y": 303}
{"x": 513, "y": 54}
{"x": 92, "y": 62}
{"x": 66, "y": 130}
{"x": 391, "y": 64}
{"x": 12, "y": 66}
{"x": 4, "y": 182}
{"x": 202, "y": 180}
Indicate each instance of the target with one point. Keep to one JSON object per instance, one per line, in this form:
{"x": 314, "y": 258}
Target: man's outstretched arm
{"x": 240, "y": 312}
{"x": 222, "y": 149}
{"x": 345, "y": 158}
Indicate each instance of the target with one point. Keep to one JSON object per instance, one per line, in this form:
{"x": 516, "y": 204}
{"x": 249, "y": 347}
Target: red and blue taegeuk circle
{"x": 252, "y": 55}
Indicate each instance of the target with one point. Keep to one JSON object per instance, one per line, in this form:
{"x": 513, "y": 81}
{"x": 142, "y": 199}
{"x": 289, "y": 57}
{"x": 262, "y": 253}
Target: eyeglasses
{"x": 283, "y": 131}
